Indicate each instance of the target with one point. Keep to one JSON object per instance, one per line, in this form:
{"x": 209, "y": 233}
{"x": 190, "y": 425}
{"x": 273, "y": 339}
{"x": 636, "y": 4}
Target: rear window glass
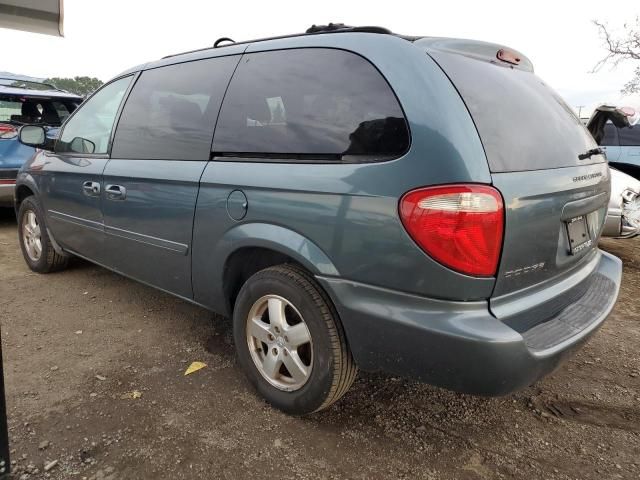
{"x": 34, "y": 110}
{"x": 610, "y": 137}
{"x": 523, "y": 124}
{"x": 630, "y": 136}
{"x": 171, "y": 111}
{"x": 62, "y": 110}
{"x": 316, "y": 104}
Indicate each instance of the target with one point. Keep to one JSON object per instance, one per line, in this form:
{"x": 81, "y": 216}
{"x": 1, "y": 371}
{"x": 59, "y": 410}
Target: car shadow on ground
{"x": 7, "y": 217}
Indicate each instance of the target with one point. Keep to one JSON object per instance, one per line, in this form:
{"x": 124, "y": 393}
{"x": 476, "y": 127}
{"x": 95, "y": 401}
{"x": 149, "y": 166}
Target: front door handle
{"x": 116, "y": 192}
{"x": 92, "y": 189}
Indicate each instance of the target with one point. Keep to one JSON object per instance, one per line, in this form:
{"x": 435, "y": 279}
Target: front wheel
{"x": 290, "y": 342}
{"x": 37, "y": 248}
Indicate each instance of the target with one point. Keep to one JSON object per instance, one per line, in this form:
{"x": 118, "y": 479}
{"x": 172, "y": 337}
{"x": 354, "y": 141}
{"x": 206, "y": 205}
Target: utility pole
{"x": 5, "y": 461}
{"x": 580, "y": 107}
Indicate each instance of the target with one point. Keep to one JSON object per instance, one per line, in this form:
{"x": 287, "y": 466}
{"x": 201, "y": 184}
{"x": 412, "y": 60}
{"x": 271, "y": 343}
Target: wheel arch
{"x": 249, "y": 248}
{"x": 25, "y": 187}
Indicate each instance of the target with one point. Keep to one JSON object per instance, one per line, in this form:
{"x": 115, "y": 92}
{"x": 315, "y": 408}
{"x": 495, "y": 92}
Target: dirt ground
{"x": 77, "y": 344}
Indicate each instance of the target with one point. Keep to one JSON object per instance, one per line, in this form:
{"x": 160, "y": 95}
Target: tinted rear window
{"x": 171, "y": 111}
{"x": 610, "y": 137}
{"x": 312, "y": 103}
{"x": 630, "y": 136}
{"x": 523, "y": 124}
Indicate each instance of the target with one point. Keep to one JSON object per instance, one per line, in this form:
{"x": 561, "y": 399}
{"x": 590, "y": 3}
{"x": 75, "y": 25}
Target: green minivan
{"x": 353, "y": 198}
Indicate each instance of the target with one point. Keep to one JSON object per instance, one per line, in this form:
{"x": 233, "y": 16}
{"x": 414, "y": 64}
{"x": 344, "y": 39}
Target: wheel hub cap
{"x": 31, "y": 235}
{"x": 279, "y": 342}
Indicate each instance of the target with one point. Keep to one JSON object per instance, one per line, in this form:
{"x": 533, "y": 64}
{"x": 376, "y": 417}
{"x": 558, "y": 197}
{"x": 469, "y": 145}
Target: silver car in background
{"x": 623, "y": 215}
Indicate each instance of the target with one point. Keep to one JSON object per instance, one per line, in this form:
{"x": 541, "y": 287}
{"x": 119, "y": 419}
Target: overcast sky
{"x": 102, "y": 38}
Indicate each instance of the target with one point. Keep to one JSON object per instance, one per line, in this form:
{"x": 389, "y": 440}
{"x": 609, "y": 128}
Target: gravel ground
{"x": 94, "y": 369}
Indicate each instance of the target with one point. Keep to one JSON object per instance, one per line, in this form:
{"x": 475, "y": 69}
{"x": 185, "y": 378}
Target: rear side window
{"x": 171, "y": 111}
{"x": 9, "y": 108}
{"x": 310, "y": 104}
{"x": 630, "y": 136}
{"x": 610, "y": 137}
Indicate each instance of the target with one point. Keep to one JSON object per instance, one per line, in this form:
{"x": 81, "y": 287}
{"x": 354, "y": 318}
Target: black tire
{"x": 49, "y": 260}
{"x": 333, "y": 370}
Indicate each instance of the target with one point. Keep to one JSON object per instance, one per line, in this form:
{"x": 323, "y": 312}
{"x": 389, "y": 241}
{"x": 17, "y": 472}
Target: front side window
{"x": 313, "y": 103}
{"x": 630, "y": 136}
{"x": 89, "y": 130}
{"x": 171, "y": 111}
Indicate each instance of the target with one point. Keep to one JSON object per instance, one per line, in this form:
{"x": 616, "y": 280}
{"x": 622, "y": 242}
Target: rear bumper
{"x": 461, "y": 345}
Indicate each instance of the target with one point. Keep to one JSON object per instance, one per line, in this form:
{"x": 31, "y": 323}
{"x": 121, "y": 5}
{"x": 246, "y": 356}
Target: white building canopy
{"x": 38, "y": 16}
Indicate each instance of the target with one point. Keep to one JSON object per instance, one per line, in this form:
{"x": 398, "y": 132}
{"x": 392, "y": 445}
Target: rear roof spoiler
{"x": 489, "y": 52}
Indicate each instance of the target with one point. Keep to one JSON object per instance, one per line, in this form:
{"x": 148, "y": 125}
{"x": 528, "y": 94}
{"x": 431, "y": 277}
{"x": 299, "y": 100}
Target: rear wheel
{"x": 290, "y": 342}
{"x": 35, "y": 243}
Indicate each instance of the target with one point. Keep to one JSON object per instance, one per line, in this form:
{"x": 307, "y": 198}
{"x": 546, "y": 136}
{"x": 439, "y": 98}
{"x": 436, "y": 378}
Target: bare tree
{"x": 621, "y": 48}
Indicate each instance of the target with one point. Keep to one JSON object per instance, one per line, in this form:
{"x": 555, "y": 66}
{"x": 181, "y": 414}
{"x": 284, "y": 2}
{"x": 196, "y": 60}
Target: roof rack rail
{"x": 25, "y": 82}
{"x": 313, "y": 30}
{"x": 217, "y": 43}
{"x": 341, "y": 27}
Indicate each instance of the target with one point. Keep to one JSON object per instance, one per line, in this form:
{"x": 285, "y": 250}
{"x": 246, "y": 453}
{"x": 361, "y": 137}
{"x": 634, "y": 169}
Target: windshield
{"x": 27, "y": 110}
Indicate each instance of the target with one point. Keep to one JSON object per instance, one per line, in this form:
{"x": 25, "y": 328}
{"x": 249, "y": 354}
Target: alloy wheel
{"x": 279, "y": 342}
{"x": 31, "y": 235}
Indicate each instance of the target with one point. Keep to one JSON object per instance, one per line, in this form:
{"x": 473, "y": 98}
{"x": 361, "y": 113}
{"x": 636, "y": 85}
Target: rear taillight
{"x": 8, "y": 131}
{"x": 460, "y": 226}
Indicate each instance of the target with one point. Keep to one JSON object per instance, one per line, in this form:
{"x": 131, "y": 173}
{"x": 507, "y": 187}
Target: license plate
{"x": 578, "y": 234}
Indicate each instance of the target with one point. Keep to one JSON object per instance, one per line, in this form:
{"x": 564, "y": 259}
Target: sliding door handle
{"x": 115, "y": 192}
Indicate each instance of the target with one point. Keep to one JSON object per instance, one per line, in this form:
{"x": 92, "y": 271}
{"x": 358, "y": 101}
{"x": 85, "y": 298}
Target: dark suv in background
{"x": 617, "y": 131}
{"x": 352, "y": 197}
{"x": 24, "y": 102}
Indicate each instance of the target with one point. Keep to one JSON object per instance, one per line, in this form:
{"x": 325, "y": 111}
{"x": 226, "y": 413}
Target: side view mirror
{"x": 82, "y": 145}
{"x": 33, "y": 136}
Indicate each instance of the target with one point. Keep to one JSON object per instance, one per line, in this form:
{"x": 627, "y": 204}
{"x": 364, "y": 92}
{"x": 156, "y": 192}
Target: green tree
{"x": 78, "y": 85}
{"x": 622, "y": 47}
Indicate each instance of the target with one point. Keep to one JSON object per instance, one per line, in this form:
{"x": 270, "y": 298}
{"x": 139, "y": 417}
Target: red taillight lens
{"x": 460, "y": 226}
{"x": 7, "y": 131}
